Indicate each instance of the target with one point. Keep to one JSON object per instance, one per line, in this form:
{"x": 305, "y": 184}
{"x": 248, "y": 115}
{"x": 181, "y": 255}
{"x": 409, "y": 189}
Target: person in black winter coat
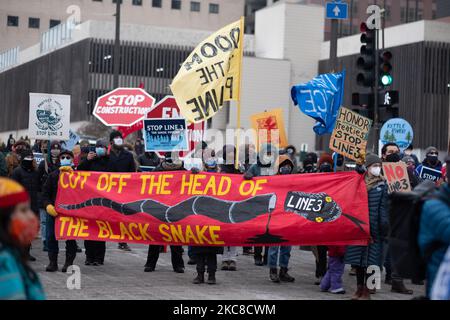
{"x": 50, "y": 190}
{"x": 95, "y": 161}
{"x": 168, "y": 164}
{"x": 149, "y": 159}
{"x": 26, "y": 174}
{"x": 120, "y": 160}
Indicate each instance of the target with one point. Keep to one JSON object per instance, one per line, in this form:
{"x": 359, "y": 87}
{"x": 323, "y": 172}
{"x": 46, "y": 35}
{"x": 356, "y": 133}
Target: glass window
{"x": 137, "y": 2}
{"x": 156, "y": 3}
{"x": 195, "y": 6}
{"x": 13, "y": 21}
{"x": 176, "y": 4}
{"x": 33, "y": 23}
{"x": 213, "y": 8}
{"x": 54, "y": 23}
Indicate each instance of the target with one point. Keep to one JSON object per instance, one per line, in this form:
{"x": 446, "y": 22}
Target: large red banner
{"x": 208, "y": 209}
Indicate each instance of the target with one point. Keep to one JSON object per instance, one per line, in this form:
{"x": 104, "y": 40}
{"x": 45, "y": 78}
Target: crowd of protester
{"x": 28, "y": 193}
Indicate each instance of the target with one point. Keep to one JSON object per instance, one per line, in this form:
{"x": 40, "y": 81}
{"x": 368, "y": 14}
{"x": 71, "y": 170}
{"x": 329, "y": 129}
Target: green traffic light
{"x": 386, "y": 80}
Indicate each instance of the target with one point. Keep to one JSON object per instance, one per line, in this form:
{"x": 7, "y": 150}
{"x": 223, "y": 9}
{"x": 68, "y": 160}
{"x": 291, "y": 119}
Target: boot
{"x": 273, "y": 275}
{"x": 358, "y": 292}
{"x": 388, "y": 279}
{"x": 200, "y": 278}
{"x": 70, "y": 257}
{"x": 259, "y": 261}
{"x": 399, "y": 287}
{"x": 232, "y": 266}
{"x": 225, "y": 265}
{"x": 53, "y": 262}
{"x": 149, "y": 267}
{"x": 365, "y": 295}
{"x": 284, "y": 276}
{"x": 211, "y": 278}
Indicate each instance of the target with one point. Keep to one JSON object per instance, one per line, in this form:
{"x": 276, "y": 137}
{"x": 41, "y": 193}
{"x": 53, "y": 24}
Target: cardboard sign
{"x": 49, "y": 117}
{"x": 269, "y": 121}
{"x": 428, "y": 173}
{"x": 350, "y": 134}
{"x": 396, "y": 174}
{"x": 165, "y": 135}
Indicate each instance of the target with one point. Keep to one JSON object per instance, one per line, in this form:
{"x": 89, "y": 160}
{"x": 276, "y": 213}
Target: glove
{"x": 248, "y": 176}
{"x": 51, "y": 210}
{"x": 360, "y": 169}
{"x": 66, "y": 169}
{"x": 361, "y": 158}
{"x": 195, "y": 170}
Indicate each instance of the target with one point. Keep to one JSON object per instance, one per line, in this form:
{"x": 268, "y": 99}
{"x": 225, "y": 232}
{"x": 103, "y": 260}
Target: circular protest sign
{"x": 399, "y": 131}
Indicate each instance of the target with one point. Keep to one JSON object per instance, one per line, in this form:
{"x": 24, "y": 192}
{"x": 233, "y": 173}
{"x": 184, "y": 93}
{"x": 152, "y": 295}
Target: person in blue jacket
{"x": 434, "y": 231}
{"x": 18, "y": 227}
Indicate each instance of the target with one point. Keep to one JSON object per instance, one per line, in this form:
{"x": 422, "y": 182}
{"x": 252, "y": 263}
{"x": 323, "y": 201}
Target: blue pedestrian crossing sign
{"x": 337, "y": 10}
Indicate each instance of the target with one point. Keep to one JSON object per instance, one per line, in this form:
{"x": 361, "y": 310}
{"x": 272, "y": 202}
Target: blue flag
{"x": 320, "y": 99}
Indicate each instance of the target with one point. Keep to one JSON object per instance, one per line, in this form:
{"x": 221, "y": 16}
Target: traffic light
{"x": 366, "y": 62}
{"x": 386, "y": 69}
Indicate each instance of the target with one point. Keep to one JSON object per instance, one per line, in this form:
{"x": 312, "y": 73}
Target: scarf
{"x": 372, "y": 181}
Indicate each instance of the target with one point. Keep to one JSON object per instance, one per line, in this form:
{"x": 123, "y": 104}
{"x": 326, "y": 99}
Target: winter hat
{"x": 114, "y": 134}
{"x": 407, "y": 159}
{"x": 372, "y": 159}
{"x": 101, "y": 143}
{"x": 54, "y": 144}
{"x": 325, "y": 157}
{"x": 11, "y": 193}
{"x": 68, "y": 152}
{"x": 429, "y": 149}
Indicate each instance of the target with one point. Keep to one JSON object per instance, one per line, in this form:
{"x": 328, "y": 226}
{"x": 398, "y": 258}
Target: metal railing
{"x": 9, "y": 58}
{"x": 57, "y": 36}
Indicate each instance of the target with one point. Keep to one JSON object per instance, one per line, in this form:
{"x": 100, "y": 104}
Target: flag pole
{"x": 238, "y": 115}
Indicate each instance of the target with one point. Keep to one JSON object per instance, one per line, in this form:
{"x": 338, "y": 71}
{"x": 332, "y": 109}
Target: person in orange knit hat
{"x": 18, "y": 227}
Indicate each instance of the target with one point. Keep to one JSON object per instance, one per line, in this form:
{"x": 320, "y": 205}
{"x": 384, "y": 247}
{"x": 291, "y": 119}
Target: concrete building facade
{"x": 23, "y": 22}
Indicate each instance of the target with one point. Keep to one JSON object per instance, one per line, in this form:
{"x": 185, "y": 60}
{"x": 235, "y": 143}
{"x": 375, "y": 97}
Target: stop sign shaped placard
{"x": 168, "y": 108}
{"x": 123, "y": 106}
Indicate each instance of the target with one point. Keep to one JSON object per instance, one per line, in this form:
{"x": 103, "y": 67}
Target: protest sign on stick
{"x": 350, "y": 134}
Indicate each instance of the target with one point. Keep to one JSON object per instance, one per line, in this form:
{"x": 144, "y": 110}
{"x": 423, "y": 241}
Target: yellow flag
{"x": 211, "y": 74}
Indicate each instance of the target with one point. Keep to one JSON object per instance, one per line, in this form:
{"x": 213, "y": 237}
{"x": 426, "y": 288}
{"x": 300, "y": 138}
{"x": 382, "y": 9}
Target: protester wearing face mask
{"x": 391, "y": 153}
{"x": 95, "y": 161}
{"x": 280, "y": 255}
{"x": 120, "y": 160}
{"x": 27, "y": 175}
{"x": 18, "y": 227}
{"x": 431, "y": 160}
{"x": 49, "y": 197}
{"x": 309, "y": 163}
{"x": 364, "y": 256}
{"x": 46, "y": 166}
{"x": 265, "y": 166}
{"x": 13, "y": 158}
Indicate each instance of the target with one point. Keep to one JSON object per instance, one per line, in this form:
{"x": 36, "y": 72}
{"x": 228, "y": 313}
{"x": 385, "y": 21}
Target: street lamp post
{"x": 116, "y": 59}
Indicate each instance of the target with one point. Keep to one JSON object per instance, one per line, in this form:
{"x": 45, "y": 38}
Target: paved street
{"x": 122, "y": 278}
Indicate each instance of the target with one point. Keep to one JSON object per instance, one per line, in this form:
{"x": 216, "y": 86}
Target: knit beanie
{"x": 11, "y": 193}
{"x": 372, "y": 159}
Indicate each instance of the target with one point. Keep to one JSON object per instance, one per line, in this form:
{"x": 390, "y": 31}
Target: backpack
{"x": 404, "y": 217}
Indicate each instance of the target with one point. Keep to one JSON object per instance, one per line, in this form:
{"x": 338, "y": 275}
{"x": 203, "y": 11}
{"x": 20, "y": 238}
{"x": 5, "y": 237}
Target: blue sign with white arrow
{"x": 337, "y": 10}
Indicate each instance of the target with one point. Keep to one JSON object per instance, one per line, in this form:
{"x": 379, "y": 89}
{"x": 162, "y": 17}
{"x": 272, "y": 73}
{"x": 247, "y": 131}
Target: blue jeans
{"x": 284, "y": 253}
{"x": 43, "y": 218}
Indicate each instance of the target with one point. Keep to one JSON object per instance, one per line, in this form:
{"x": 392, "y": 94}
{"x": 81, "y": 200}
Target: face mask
{"x": 66, "y": 162}
{"x": 118, "y": 142}
{"x": 432, "y": 159}
{"x": 27, "y": 163}
{"x": 325, "y": 168}
{"x": 393, "y": 157}
{"x": 23, "y": 231}
{"x": 290, "y": 151}
{"x": 211, "y": 163}
{"x": 285, "y": 170}
{"x": 376, "y": 171}
{"x": 55, "y": 153}
{"x": 100, "y": 152}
